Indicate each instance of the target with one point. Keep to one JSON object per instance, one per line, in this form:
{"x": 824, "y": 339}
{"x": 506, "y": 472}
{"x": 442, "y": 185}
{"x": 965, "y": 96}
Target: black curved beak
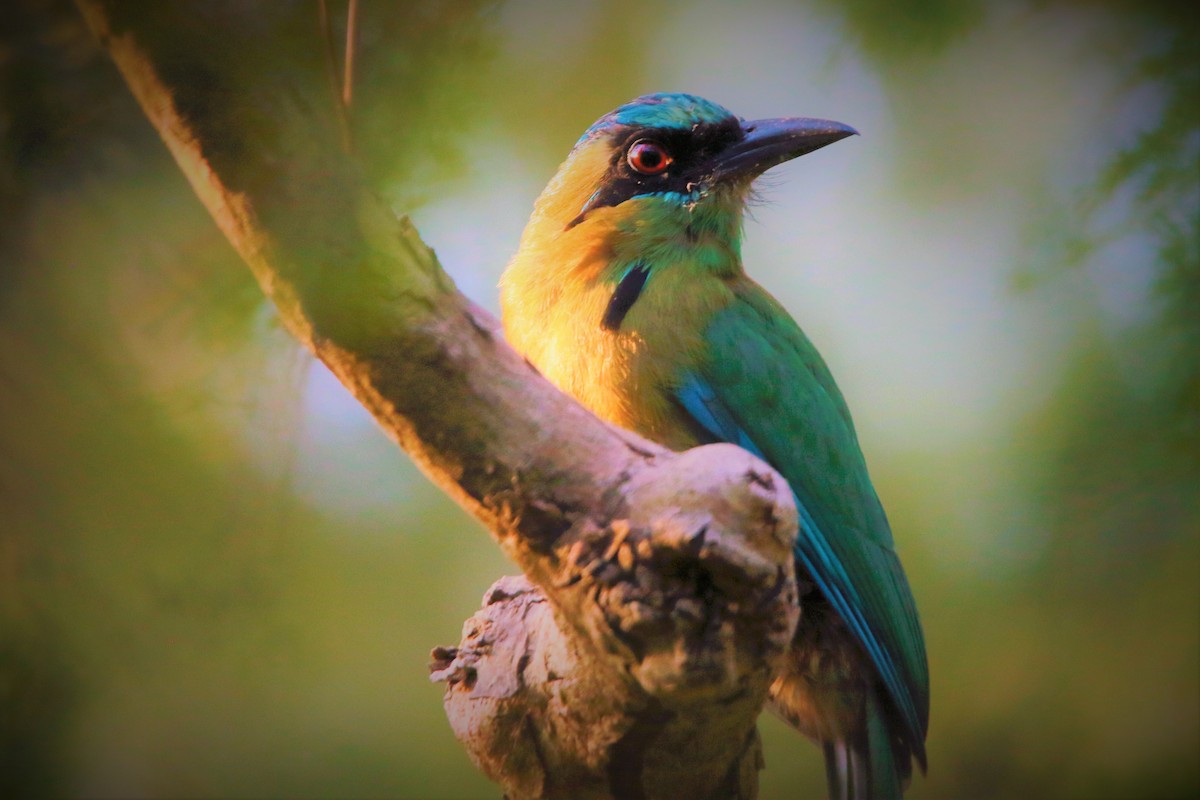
{"x": 769, "y": 142}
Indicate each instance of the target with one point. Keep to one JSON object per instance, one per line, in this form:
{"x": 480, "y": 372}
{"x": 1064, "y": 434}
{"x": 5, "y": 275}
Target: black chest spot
{"x": 623, "y": 297}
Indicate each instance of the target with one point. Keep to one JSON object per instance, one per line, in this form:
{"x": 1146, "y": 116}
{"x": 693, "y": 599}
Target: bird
{"x": 628, "y": 292}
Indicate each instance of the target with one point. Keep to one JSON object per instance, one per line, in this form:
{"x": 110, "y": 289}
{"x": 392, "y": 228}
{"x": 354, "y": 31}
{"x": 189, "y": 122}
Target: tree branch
{"x": 660, "y": 594}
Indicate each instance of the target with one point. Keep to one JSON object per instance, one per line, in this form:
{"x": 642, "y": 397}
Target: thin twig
{"x": 331, "y": 71}
{"x": 351, "y": 37}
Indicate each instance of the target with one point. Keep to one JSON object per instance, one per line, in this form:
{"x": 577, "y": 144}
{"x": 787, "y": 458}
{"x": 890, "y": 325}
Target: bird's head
{"x": 664, "y": 167}
{"x": 649, "y": 202}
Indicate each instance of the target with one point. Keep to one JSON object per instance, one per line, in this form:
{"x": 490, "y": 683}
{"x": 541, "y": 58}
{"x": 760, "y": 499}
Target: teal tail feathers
{"x": 864, "y": 766}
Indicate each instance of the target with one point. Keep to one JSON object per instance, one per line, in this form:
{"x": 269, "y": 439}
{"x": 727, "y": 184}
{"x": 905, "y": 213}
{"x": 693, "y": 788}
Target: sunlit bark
{"x": 660, "y": 595}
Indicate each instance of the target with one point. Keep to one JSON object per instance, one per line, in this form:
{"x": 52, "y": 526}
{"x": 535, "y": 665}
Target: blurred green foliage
{"x": 183, "y": 613}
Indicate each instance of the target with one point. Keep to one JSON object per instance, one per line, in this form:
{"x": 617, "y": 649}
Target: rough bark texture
{"x": 660, "y": 597}
{"x": 643, "y": 685}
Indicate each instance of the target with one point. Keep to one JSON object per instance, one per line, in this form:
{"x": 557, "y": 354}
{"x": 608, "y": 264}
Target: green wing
{"x": 764, "y": 387}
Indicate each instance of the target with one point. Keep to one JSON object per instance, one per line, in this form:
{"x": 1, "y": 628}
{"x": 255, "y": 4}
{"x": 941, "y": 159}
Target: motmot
{"x": 628, "y": 292}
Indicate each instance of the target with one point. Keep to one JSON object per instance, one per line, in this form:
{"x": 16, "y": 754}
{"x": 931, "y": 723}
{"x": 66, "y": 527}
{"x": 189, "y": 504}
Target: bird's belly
{"x": 626, "y": 389}
{"x": 822, "y": 688}
{"x": 626, "y": 377}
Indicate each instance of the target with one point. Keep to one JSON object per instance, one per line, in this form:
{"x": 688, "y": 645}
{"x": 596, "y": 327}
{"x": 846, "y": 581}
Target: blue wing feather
{"x": 699, "y": 400}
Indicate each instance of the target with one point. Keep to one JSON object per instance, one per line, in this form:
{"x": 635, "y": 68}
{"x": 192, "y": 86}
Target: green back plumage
{"x": 762, "y": 384}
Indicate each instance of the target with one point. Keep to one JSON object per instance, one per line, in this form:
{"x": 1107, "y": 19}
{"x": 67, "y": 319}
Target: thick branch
{"x": 647, "y": 688}
{"x": 668, "y": 577}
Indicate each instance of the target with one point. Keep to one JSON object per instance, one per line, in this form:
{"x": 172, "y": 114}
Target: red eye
{"x": 649, "y": 158}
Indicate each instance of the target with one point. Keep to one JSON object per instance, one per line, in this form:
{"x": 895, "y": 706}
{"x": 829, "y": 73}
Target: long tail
{"x": 864, "y": 766}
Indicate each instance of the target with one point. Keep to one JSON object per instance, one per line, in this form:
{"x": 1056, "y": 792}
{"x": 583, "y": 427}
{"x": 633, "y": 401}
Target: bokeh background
{"x": 219, "y": 579}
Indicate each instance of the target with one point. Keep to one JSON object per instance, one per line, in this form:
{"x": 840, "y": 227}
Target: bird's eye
{"x": 648, "y": 158}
